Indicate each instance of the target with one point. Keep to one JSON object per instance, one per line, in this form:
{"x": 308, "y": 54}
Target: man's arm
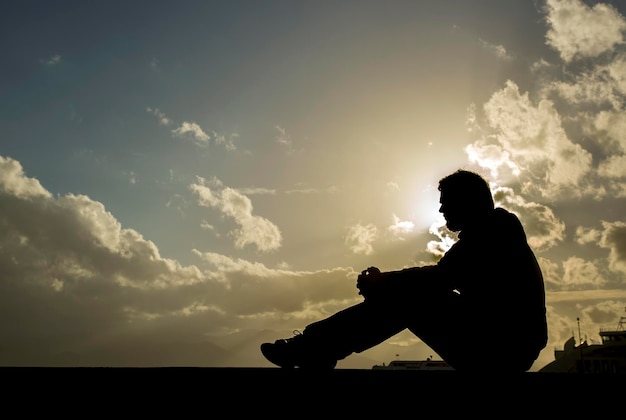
{"x": 372, "y": 281}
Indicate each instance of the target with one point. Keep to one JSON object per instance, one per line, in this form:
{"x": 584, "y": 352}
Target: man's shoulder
{"x": 507, "y": 220}
{"x": 502, "y": 214}
{"x": 502, "y": 211}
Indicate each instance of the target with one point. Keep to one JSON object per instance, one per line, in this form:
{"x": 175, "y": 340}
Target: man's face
{"x": 453, "y": 210}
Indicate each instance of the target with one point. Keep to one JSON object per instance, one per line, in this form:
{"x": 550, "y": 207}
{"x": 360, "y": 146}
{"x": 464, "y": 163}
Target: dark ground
{"x": 184, "y": 392}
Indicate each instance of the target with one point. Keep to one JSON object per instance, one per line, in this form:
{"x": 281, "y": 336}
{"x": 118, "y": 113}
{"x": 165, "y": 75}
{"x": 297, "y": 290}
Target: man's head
{"x": 465, "y": 199}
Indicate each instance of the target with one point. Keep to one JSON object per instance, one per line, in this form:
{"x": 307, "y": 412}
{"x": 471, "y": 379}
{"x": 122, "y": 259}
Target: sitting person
{"x": 486, "y": 291}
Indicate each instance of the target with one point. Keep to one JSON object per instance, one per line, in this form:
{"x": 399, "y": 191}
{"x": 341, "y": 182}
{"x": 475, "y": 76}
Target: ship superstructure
{"x": 608, "y": 357}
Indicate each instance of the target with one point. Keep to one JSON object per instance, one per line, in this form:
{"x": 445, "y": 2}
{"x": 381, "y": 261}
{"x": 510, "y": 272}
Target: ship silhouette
{"x": 608, "y": 357}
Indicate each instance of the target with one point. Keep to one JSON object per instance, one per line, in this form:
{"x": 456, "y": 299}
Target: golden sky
{"x": 191, "y": 179}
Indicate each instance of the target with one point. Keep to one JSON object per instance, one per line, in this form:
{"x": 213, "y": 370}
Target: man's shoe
{"x": 294, "y": 352}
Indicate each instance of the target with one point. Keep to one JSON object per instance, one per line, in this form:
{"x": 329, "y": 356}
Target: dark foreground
{"x": 181, "y": 392}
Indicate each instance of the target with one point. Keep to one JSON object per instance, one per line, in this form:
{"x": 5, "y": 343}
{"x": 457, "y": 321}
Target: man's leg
{"x": 322, "y": 343}
{"x": 356, "y": 329}
{"x": 408, "y": 299}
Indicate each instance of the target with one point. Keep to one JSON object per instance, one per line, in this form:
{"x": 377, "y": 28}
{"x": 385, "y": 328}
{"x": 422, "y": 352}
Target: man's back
{"x": 500, "y": 283}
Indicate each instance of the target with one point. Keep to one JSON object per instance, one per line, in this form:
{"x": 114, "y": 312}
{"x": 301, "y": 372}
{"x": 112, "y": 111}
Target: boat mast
{"x": 620, "y": 325}
{"x": 580, "y": 347}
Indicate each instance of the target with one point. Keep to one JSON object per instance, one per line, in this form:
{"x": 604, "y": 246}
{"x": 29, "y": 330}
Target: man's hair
{"x": 469, "y": 187}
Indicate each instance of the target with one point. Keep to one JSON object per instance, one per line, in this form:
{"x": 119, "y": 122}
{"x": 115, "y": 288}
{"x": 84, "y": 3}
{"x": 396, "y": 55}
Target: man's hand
{"x": 368, "y": 280}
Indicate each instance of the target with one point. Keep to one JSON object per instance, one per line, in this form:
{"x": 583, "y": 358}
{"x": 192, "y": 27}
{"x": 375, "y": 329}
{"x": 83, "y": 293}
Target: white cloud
{"x": 617, "y": 72}
{"x": 613, "y": 167}
{"x": 360, "y": 238}
{"x": 284, "y": 139}
{"x": 492, "y": 157}
{"x": 587, "y": 235}
{"x": 530, "y": 138}
{"x": 194, "y": 130}
{"x": 578, "y": 272}
{"x": 163, "y": 119}
{"x": 333, "y": 189}
{"x": 577, "y": 30}
{"x": 67, "y": 265}
{"x": 226, "y": 141}
{"x": 281, "y": 294}
{"x": 13, "y": 181}
{"x": 614, "y": 238}
{"x": 400, "y": 227}
{"x": 70, "y": 252}
{"x": 445, "y": 240}
{"x": 596, "y": 88}
{"x": 253, "y": 230}
{"x": 611, "y": 125}
{"x": 256, "y": 191}
{"x": 206, "y": 225}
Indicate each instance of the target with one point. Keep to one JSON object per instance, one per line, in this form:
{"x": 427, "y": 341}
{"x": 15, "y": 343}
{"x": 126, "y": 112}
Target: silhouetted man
{"x": 481, "y": 307}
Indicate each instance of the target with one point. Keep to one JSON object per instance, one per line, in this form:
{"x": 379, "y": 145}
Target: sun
{"x": 425, "y": 209}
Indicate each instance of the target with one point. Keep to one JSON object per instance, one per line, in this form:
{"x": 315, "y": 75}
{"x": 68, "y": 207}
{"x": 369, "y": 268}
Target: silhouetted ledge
{"x": 272, "y": 380}
{"x": 253, "y": 375}
{"x": 180, "y": 392}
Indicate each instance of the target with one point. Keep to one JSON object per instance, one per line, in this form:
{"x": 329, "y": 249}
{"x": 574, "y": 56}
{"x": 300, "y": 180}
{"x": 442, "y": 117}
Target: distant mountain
{"x": 238, "y": 349}
{"x": 243, "y": 351}
{"x": 147, "y": 354}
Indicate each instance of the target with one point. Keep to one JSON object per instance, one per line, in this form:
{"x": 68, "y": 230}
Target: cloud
{"x": 578, "y": 31}
{"x": 611, "y": 125}
{"x": 598, "y": 88}
{"x": 578, "y": 272}
{"x": 492, "y": 157}
{"x": 52, "y": 61}
{"x": 614, "y": 238}
{"x": 585, "y": 295}
{"x": 587, "y": 235}
{"x": 284, "y": 139}
{"x": 14, "y": 182}
{"x": 193, "y": 130}
{"x": 534, "y": 137}
{"x": 604, "y": 313}
{"x": 613, "y": 167}
{"x": 68, "y": 265}
{"x": 256, "y": 191}
{"x": 132, "y": 179}
{"x": 226, "y": 141}
{"x": 254, "y": 288}
{"x": 360, "y": 238}
{"x": 566, "y": 138}
{"x": 163, "y": 120}
{"x": 333, "y": 189}
{"x": 400, "y": 227}
{"x": 497, "y": 50}
{"x": 446, "y": 238}
{"x": 253, "y": 230}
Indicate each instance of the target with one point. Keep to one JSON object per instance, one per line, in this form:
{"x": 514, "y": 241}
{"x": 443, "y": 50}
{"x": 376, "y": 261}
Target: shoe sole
{"x": 268, "y": 353}
{"x": 266, "y": 350}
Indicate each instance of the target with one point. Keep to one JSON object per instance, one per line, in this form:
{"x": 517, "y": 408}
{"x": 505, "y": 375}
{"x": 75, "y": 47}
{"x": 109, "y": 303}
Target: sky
{"x": 182, "y": 181}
